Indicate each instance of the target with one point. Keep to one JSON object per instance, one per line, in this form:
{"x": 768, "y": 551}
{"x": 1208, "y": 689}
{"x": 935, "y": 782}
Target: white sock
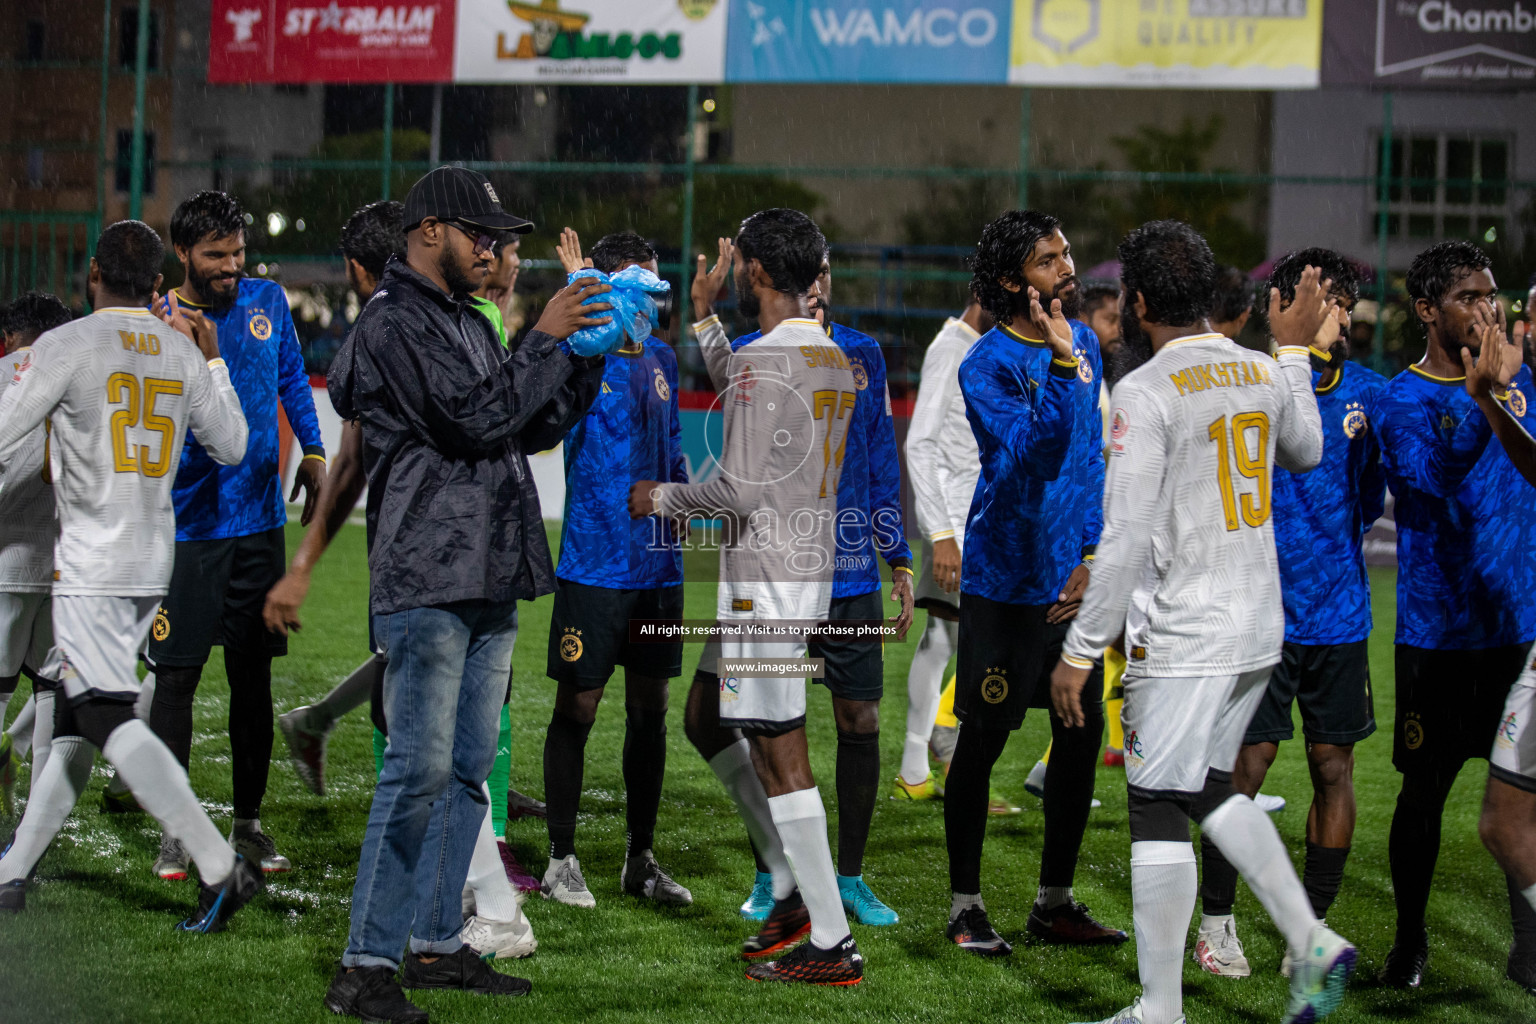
{"x": 42, "y": 733}
{"x": 925, "y": 684}
{"x": 1052, "y": 896}
{"x": 5, "y": 703}
{"x": 1163, "y": 883}
{"x": 352, "y": 692}
{"x": 733, "y": 767}
{"x": 53, "y": 797}
{"x": 961, "y": 901}
{"x": 160, "y": 785}
{"x": 1530, "y": 896}
{"x": 802, "y": 823}
{"x": 21, "y": 729}
{"x": 146, "y": 698}
{"x": 495, "y": 899}
{"x": 1247, "y": 838}
{"x": 1214, "y": 922}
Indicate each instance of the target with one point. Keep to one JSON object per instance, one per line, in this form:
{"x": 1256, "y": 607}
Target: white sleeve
{"x": 715, "y": 346}
{"x": 215, "y": 416}
{"x": 928, "y": 465}
{"x": 1299, "y": 442}
{"x": 41, "y": 378}
{"x": 1133, "y": 487}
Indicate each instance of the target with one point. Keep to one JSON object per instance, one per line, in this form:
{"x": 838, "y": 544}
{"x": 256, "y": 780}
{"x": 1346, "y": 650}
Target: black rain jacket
{"x": 448, "y": 416}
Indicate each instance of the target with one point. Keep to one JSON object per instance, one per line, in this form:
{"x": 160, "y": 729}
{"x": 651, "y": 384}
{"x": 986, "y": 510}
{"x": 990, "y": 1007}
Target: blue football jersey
{"x": 1039, "y": 503}
{"x": 1321, "y": 517}
{"x": 257, "y": 340}
{"x": 631, "y": 433}
{"x": 869, "y": 520}
{"x": 1466, "y": 518}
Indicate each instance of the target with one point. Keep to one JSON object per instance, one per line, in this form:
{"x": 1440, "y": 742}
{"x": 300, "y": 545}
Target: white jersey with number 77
{"x": 119, "y": 389}
{"x": 1186, "y": 564}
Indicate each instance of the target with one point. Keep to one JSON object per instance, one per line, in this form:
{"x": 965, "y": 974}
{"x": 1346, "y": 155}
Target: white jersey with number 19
{"x": 1186, "y": 564}
{"x": 119, "y": 390}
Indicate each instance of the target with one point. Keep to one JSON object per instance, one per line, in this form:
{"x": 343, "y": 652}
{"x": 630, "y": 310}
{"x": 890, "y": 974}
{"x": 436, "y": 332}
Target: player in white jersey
{"x": 1186, "y": 570}
{"x": 943, "y": 465}
{"x": 787, "y": 407}
{"x": 26, "y": 564}
{"x": 119, "y": 390}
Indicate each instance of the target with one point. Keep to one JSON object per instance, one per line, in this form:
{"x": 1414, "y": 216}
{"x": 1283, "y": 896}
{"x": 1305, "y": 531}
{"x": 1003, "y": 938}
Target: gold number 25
{"x": 123, "y": 390}
{"x": 1250, "y": 464}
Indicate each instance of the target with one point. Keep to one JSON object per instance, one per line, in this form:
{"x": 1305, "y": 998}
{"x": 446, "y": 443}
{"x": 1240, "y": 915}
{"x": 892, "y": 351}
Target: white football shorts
{"x": 1514, "y": 744}
{"x": 99, "y": 640}
{"x": 766, "y": 703}
{"x": 1177, "y": 729}
{"x": 26, "y": 635}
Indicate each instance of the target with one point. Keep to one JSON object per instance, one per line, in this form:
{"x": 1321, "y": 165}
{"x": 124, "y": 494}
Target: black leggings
{"x": 250, "y": 721}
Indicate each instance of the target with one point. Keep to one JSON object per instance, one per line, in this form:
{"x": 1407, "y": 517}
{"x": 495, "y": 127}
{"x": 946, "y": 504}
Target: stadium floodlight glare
{"x": 276, "y": 223}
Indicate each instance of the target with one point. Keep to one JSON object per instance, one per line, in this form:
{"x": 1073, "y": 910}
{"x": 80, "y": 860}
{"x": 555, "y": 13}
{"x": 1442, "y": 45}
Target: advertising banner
{"x": 1435, "y": 44}
{"x": 1224, "y": 44}
{"x": 612, "y": 41}
{"x": 869, "y": 41}
{"x": 306, "y": 41}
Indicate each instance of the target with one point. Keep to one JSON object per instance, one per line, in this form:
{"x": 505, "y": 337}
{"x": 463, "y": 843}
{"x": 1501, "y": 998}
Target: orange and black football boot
{"x": 787, "y": 924}
{"x": 840, "y": 965}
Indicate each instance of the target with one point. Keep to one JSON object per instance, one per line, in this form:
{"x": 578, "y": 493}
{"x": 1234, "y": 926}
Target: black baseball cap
{"x": 457, "y": 193}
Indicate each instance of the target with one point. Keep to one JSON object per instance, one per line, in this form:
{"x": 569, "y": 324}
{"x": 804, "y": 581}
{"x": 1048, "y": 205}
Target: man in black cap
{"x": 455, "y": 539}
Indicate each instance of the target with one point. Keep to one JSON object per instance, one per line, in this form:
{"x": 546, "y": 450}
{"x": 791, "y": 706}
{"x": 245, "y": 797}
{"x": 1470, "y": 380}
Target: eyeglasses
{"x": 483, "y": 242}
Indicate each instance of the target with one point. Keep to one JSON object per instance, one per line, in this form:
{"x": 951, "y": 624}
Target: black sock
{"x": 565, "y": 751}
{"x": 1323, "y": 874}
{"x": 757, "y": 856}
{"x": 1218, "y": 880}
{"x": 645, "y": 765}
{"x": 965, "y": 803}
{"x": 1414, "y": 845}
{"x": 858, "y": 786}
{"x": 1524, "y": 917}
{"x": 1069, "y": 791}
{"x": 170, "y": 714}
{"x": 250, "y": 727}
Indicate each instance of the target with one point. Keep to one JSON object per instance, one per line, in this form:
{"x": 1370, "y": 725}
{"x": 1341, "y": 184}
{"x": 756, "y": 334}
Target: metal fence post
{"x": 1026, "y": 128}
{"x": 1383, "y": 221}
{"x": 685, "y": 318}
{"x": 101, "y": 141}
{"x": 389, "y": 140}
{"x": 140, "y": 79}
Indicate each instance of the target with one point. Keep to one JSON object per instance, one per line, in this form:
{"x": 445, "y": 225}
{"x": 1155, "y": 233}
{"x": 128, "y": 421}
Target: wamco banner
{"x": 869, "y": 41}
{"x": 1438, "y": 44}
{"x": 1228, "y": 44}
{"x": 590, "y": 41}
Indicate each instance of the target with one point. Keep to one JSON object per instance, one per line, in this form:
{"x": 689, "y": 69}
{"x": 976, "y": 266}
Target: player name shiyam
{"x": 1220, "y": 375}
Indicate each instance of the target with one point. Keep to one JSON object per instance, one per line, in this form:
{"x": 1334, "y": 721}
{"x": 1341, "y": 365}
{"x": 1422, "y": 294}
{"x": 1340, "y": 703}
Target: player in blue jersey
{"x": 614, "y": 569}
{"x": 1321, "y": 518}
{"x": 1466, "y": 582}
{"x": 229, "y": 521}
{"x": 869, "y": 527}
{"x": 1031, "y": 388}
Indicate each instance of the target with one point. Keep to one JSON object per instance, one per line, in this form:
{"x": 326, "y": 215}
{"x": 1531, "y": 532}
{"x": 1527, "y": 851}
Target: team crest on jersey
{"x": 994, "y": 687}
{"x": 1354, "y": 420}
{"x": 22, "y": 365}
{"x": 1119, "y": 424}
{"x": 161, "y": 627}
{"x": 261, "y": 327}
{"x": 660, "y": 381}
{"x": 730, "y": 689}
{"x": 860, "y": 375}
{"x": 1084, "y": 367}
{"x": 570, "y": 644}
{"x": 1508, "y": 728}
{"x": 1413, "y": 733}
{"x": 1517, "y": 402}
{"x": 1133, "y": 752}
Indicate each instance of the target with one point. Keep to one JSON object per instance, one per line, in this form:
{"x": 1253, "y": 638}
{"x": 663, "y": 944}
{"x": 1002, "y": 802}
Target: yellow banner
{"x": 1230, "y": 44}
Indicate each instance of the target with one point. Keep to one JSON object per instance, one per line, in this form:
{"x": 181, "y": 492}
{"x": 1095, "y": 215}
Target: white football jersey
{"x": 27, "y": 529}
{"x": 1186, "y": 565}
{"x": 119, "y": 390}
{"x": 942, "y": 460}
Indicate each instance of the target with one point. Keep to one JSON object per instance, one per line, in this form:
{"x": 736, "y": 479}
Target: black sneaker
{"x": 1405, "y": 964}
{"x": 462, "y": 970}
{"x": 1070, "y": 924}
{"x": 787, "y": 923}
{"x": 972, "y": 932}
{"x": 1521, "y": 970}
{"x": 13, "y": 896}
{"x": 372, "y": 994}
{"x": 840, "y": 965}
{"x": 216, "y": 904}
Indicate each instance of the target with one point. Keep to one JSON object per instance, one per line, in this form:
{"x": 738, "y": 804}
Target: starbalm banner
{"x": 305, "y": 41}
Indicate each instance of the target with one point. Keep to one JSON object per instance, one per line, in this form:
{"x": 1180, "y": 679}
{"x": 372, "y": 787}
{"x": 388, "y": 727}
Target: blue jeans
{"x": 443, "y": 691}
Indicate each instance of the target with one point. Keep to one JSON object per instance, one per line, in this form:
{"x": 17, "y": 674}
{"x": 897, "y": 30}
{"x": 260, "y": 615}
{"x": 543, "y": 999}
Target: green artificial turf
{"x": 97, "y": 941}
